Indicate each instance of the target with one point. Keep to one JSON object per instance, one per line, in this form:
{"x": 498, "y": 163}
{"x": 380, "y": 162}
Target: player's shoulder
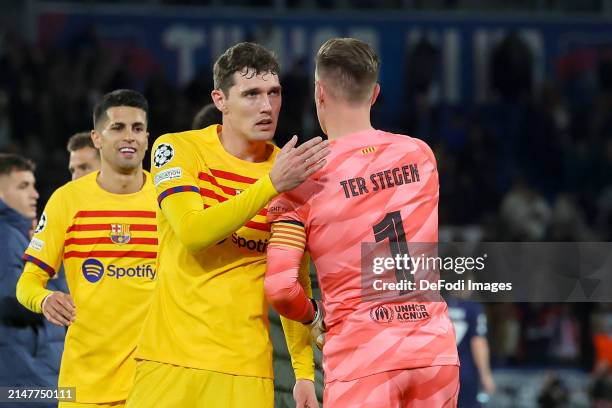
{"x": 406, "y": 140}
{"x": 412, "y": 143}
{"x": 189, "y": 138}
{"x": 184, "y": 147}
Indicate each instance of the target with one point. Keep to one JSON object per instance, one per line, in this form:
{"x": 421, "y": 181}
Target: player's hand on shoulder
{"x": 59, "y": 309}
{"x": 293, "y": 164}
{"x": 304, "y": 394}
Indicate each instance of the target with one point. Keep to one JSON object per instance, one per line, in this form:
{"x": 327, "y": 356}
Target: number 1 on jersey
{"x": 391, "y": 227}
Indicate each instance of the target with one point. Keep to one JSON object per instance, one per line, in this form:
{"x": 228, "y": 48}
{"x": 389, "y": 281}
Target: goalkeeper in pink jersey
{"x": 377, "y": 187}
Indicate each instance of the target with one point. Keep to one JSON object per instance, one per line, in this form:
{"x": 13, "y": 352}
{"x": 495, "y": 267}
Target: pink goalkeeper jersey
{"x": 377, "y": 187}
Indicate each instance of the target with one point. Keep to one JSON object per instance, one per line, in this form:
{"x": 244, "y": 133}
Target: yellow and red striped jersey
{"x": 108, "y": 245}
{"x": 209, "y": 310}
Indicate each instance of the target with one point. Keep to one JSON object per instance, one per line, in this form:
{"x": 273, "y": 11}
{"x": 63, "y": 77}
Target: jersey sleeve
{"x": 282, "y": 283}
{"x": 289, "y": 217}
{"x": 293, "y": 206}
{"x": 31, "y": 287}
{"x": 47, "y": 245}
{"x": 297, "y": 334}
{"x": 175, "y": 172}
{"x": 173, "y": 168}
{"x": 44, "y": 253}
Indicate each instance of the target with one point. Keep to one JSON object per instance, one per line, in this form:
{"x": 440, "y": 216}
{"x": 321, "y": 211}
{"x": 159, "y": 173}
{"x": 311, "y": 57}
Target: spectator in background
{"x": 601, "y": 390}
{"x": 208, "y": 115}
{"x": 554, "y": 393}
{"x": 422, "y": 73}
{"x": 84, "y": 157}
{"x": 5, "y": 120}
{"x": 423, "y": 67}
{"x": 604, "y": 216}
{"x": 30, "y": 348}
{"x": 297, "y": 83}
{"x": 512, "y": 68}
{"x": 569, "y": 221}
{"x": 525, "y": 213}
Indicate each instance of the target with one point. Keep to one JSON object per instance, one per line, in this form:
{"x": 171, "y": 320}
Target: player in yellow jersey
{"x": 102, "y": 227}
{"x": 205, "y": 341}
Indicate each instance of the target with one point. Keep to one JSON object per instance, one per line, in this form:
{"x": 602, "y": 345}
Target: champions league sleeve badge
{"x": 163, "y": 155}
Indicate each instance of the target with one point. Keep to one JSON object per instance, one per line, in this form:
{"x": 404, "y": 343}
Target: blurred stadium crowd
{"x": 533, "y": 163}
{"x": 544, "y": 5}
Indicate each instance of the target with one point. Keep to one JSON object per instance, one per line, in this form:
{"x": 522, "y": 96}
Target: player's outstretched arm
{"x": 199, "y": 228}
{"x": 282, "y": 284}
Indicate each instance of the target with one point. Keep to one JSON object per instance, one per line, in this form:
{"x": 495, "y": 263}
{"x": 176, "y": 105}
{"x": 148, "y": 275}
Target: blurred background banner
{"x": 452, "y": 50}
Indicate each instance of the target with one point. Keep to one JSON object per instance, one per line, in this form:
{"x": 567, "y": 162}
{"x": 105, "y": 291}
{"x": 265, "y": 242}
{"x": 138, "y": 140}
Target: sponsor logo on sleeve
{"x": 37, "y": 244}
{"x": 167, "y": 175}
{"x": 163, "y": 155}
{"x": 279, "y": 207}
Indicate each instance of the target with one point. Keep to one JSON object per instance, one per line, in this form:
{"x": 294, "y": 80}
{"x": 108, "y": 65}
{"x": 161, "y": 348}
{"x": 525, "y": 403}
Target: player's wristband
{"x": 315, "y": 307}
{"x": 317, "y": 325}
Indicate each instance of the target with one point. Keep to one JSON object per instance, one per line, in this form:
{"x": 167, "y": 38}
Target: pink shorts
{"x": 415, "y": 388}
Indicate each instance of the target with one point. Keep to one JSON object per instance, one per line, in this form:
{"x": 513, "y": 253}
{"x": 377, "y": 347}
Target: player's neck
{"x": 121, "y": 183}
{"x": 345, "y": 121}
{"x": 249, "y": 150}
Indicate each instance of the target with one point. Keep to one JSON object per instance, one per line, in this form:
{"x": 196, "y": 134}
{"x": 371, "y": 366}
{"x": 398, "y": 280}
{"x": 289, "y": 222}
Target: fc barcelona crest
{"x": 120, "y": 233}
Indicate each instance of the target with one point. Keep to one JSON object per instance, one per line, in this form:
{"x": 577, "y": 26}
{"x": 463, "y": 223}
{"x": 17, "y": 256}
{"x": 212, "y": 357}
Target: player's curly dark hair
{"x": 119, "y": 97}
{"x": 250, "y": 58}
